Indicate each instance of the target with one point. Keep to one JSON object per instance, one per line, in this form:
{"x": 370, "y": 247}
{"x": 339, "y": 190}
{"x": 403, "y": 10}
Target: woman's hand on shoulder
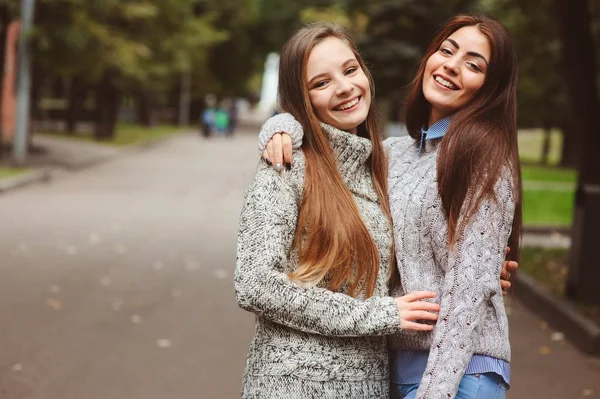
{"x": 411, "y": 308}
{"x": 278, "y": 152}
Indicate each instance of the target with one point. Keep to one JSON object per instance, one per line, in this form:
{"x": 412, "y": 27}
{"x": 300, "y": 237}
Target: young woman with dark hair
{"x": 455, "y": 199}
{"x": 315, "y": 251}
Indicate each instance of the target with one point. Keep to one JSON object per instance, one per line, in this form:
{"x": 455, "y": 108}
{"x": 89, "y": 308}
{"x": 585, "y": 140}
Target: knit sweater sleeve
{"x": 266, "y": 231}
{"x": 471, "y": 280}
{"x": 281, "y": 123}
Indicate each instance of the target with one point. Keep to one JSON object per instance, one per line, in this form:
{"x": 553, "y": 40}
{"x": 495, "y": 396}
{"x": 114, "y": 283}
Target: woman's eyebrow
{"x": 471, "y": 53}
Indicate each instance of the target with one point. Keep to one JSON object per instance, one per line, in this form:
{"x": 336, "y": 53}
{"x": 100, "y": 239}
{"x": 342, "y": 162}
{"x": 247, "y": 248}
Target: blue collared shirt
{"x": 409, "y": 366}
{"x": 435, "y": 131}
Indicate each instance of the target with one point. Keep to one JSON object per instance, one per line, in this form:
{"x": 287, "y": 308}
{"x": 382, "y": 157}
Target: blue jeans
{"x": 476, "y": 386}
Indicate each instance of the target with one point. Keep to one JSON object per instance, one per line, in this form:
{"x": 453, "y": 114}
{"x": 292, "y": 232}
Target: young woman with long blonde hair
{"x": 315, "y": 252}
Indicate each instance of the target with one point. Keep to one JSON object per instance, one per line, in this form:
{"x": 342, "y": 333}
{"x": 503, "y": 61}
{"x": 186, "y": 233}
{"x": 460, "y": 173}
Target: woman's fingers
{"x": 512, "y": 266}
{"x": 420, "y": 315}
{"x": 411, "y": 308}
{"x": 287, "y": 148}
{"x": 505, "y": 285}
{"x": 266, "y": 157}
{"x": 418, "y": 295}
{"x": 428, "y": 306}
{"x": 277, "y": 152}
{"x": 410, "y": 325}
{"x": 269, "y": 151}
{"x": 504, "y": 274}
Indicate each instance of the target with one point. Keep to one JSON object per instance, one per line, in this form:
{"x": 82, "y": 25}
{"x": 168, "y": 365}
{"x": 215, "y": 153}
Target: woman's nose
{"x": 344, "y": 87}
{"x": 452, "y": 66}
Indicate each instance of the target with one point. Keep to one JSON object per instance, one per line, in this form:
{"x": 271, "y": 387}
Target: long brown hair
{"x": 332, "y": 239}
{"x": 482, "y": 137}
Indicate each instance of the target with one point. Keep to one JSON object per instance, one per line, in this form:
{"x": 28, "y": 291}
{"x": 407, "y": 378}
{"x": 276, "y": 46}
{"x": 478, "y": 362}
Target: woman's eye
{"x": 350, "y": 71}
{"x": 320, "y": 84}
{"x": 446, "y": 51}
{"x": 474, "y": 66}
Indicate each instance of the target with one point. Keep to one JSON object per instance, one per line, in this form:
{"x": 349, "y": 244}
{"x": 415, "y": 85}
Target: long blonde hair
{"x": 332, "y": 239}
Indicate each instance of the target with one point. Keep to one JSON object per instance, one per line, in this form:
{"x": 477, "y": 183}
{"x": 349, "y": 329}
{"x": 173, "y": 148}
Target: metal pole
{"x": 24, "y": 82}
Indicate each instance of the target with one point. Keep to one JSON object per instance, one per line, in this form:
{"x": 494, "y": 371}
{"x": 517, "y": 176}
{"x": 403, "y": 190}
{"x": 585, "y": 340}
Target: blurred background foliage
{"x": 111, "y": 52}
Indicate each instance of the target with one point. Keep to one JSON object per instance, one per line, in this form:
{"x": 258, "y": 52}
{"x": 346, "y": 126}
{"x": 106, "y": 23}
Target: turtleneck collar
{"x": 352, "y": 153}
{"x": 435, "y": 131}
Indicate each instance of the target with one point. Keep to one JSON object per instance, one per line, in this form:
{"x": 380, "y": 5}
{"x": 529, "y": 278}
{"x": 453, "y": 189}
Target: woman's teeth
{"x": 348, "y": 105}
{"x": 445, "y": 82}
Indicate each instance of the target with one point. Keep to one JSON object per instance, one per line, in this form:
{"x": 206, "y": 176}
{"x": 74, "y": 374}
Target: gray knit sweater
{"x": 472, "y": 319}
{"x": 310, "y": 342}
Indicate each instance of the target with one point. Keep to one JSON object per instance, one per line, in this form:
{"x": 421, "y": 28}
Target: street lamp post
{"x": 24, "y": 82}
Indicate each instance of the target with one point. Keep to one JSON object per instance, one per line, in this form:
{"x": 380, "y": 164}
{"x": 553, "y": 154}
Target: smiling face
{"x": 338, "y": 88}
{"x": 455, "y": 72}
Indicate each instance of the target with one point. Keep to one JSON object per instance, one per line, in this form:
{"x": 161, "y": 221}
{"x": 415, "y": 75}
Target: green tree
{"x": 117, "y": 46}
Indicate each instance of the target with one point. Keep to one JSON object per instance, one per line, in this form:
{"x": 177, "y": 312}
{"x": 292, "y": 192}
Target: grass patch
{"x": 548, "y": 207}
{"x": 549, "y": 174}
{"x": 126, "y": 134}
{"x": 549, "y": 267}
{"x": 7, "y": 173}
{"x": 530, "y": 146}
{"x": 548, "y": 195}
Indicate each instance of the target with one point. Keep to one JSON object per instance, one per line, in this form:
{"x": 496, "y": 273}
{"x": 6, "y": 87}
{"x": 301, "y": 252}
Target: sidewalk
{"x": 117, "y": 240}
{"x": 69, "y": 153}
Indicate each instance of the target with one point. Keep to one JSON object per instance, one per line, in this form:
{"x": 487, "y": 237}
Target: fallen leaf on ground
{"x": 191, "y": 264}
{"x": 587, "y": 392}
{"x": 106, "y": 281}
{"x": 220, "y": 274}
{"x": 117, "y": 304}
{"x": 545, "y": 350}
{"x": 557, "y": 336}
{"x": 158, "y": 265}
{"x": 54, "y": 303}
{"x": 136, "y": 319}
{"x": 16, "y": 367}
{"x": 95, "y": 238}
{"x": 163, "y": 343}
{"x": 177, "y": 293}
{"x": 544, "y": 325}
{"x": 55, "y": 289}
{"x": 120, "y": 249}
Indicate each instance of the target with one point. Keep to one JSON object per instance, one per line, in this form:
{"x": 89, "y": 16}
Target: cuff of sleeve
{"x": 277, "y": 124}
{"x": 388, "y": 314}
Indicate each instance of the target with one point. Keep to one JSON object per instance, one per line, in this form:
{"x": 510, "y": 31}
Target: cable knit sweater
{"x": 310, "y": 342}
{"x": 472, "y": 319}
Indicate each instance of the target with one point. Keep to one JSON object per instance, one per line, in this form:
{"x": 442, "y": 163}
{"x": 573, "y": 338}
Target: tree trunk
{"x": 571, "y": 144}
{"x": 546, "y": 144}
{"x": 107, "y": 107}
{"x": 77, "y": 92}
{"x": 37, "y": 82}
{"x": 145, "y": 105}
{"x": 574, "y": 24}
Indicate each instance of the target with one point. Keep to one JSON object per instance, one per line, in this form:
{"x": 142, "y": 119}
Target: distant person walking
{"x": 209, "y": 115}
{"x": 221, "y": 120}
{"x": 233, "y": 117}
